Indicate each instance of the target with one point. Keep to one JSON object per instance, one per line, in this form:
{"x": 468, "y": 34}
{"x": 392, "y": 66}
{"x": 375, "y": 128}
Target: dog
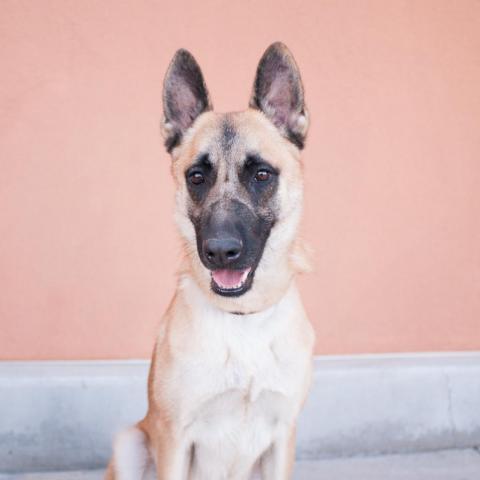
{"x": 232, "y": 362}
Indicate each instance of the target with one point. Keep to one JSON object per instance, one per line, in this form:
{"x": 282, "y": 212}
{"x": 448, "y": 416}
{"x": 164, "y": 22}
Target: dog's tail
{"x": 131, "y": 457}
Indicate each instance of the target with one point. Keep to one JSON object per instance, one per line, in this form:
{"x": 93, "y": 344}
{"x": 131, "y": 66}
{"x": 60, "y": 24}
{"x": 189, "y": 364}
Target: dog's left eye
{"x": 262, "y": 175}
{"x": 196, "y": 178}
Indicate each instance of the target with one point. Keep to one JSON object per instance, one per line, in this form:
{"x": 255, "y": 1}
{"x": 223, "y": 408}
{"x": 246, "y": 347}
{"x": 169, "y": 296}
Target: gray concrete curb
{"x": 62, "y": 415}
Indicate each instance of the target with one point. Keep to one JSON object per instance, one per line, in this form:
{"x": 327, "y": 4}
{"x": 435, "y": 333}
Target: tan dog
{"x": 232, "y": 362}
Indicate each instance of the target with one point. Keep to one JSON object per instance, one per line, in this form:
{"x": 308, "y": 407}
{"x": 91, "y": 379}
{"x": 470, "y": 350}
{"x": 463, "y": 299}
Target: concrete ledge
{"x": 391, "y": 404}
{"x": 62, "y": 415}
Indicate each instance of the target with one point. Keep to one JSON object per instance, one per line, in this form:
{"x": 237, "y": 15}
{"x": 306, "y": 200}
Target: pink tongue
{"x": 228, "y": 278}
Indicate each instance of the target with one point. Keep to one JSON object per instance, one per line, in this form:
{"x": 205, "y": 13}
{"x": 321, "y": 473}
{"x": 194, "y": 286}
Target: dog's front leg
{"x": 172, "y": 459}
{"x": 277, "y": 462}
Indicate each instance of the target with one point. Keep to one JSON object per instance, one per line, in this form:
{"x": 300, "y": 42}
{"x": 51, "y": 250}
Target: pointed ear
{"x": 278, "y": 93}
{"x": 185, "y": 97}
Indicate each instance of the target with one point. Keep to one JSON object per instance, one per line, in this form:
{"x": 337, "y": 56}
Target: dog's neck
{"x": 195, "y": 296}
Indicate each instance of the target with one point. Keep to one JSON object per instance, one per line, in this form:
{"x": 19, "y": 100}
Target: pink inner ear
{"x": 279, "y": 99}
{"x": 186, "y": 105}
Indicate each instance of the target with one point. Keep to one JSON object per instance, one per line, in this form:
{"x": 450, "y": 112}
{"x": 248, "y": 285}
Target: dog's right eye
{"x": 196, "y": 178}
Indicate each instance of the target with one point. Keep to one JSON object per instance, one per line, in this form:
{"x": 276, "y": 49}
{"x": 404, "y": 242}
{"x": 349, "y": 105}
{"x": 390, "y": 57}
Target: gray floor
{"x": 445, "y": 465}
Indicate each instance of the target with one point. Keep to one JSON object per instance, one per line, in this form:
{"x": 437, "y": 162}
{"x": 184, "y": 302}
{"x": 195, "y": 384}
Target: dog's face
{"x": 239, "y": 183}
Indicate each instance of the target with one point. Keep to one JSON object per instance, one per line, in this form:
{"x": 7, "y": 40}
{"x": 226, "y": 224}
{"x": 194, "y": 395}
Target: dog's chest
{"x": 240, "y": 374}
{"x": 239, "y": 387}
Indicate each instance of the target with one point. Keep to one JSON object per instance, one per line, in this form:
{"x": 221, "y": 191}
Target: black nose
{"x": 221, "y": 252}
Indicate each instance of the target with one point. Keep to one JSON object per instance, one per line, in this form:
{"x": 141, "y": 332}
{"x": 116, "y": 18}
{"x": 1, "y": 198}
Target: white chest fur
{"x": 240, "y": 383}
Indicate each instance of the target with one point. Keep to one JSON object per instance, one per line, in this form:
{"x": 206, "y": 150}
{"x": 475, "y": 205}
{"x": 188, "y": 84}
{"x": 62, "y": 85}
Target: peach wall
{"x": 87, "y": 244}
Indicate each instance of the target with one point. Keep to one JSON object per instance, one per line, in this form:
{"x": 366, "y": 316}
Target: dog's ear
{"x": 278, "y": 93}
{"x": 185, "y": 97}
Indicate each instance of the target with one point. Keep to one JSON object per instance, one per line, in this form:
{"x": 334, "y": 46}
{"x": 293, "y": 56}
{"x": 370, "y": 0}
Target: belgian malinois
{"x": 232, "y": 361}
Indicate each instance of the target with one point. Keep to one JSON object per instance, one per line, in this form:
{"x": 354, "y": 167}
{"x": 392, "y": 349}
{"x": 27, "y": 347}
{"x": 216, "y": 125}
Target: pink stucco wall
{"x": 87, "y": 243}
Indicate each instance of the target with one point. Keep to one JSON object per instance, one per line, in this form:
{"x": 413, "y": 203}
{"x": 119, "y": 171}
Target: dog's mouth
{"x": 231, "y": 283}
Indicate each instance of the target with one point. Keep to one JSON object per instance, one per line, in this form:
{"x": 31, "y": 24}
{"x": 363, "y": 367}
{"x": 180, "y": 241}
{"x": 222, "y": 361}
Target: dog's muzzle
{"x": 230, "y": 242}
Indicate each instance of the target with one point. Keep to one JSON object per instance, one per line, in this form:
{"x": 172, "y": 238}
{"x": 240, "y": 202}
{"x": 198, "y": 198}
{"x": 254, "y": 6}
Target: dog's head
{"x": 239, "y": 179}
